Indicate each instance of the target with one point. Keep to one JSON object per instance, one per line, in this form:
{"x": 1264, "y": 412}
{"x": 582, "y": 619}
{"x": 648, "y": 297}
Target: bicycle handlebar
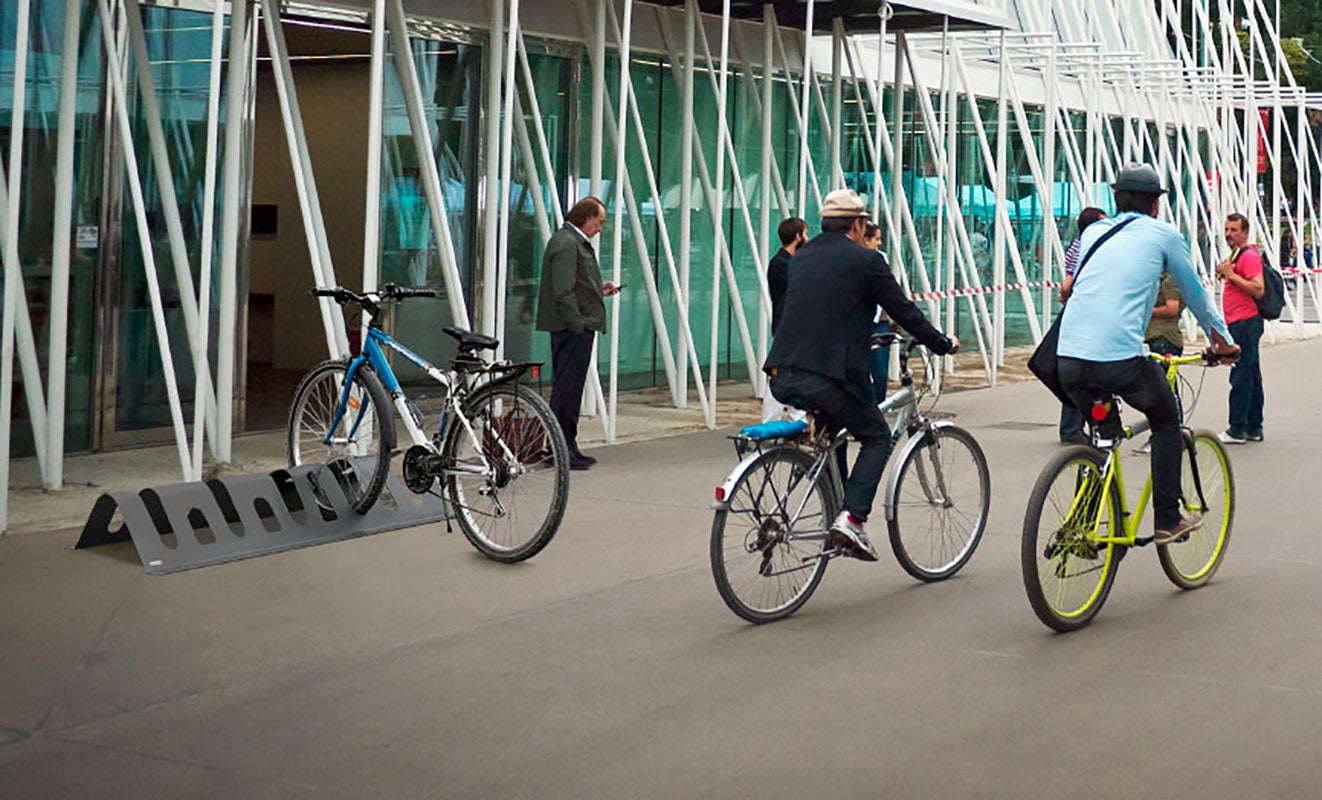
{"x": 370, "y": 300}
{"x": 1208, "y": 357}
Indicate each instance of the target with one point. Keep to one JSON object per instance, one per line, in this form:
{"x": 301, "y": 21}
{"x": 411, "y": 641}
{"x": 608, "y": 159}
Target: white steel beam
{"x": 57, "y": 360}
{"x": 144, "y": 236}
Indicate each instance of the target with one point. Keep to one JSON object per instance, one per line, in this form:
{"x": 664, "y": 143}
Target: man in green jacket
{"x": 570, "y": 307}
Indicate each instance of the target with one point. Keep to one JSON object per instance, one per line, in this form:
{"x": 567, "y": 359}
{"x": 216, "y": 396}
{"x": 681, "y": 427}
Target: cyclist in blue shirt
{"x": 1101, "y": 330}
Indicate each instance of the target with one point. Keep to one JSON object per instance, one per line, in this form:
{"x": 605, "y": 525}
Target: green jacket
{"x": 570, "y": 296}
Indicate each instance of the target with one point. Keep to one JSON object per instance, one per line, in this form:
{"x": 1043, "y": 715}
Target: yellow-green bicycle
{"x": 1078, "y": 525}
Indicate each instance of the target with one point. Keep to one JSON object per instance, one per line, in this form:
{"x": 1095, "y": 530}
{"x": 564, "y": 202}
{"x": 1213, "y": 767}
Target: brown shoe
{"x": 1179, "y": 531}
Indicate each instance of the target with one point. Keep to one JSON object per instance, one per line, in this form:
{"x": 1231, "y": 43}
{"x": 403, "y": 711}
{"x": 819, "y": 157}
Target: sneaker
{"x": 1179, "y": 531}
{"x": 847, "y": 534}
{"x": 1254, "y": 437}
{"x": 1229, "y": 436}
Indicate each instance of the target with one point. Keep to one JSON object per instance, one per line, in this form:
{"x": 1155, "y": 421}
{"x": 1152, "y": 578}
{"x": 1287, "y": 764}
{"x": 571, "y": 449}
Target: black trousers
{"x": 1141, "y": 383}
{"x": 812, "y": 392}
{"x": 571, "y": 355}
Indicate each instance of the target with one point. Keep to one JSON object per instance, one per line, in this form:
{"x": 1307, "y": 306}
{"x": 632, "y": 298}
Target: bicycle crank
{"x": 421, "y": 468}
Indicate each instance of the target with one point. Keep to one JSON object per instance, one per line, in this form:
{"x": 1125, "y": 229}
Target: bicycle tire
{"x": 547, "y": 457}
{"x": 314, "y": 388}
{"x": 801, "y": 463}
{"x": 1068, "y": 543}
{"x": 1205, "y": 548}
{"x": 912, "y": 469}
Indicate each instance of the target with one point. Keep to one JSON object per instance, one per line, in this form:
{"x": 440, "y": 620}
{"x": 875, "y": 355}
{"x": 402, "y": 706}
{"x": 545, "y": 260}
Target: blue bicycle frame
{"x": 375, "y": 357}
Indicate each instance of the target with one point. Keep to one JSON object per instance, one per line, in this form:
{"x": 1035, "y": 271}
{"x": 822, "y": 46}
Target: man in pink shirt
{"x": 1242, "y": 272}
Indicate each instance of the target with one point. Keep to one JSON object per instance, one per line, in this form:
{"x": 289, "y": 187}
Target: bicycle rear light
{"x": 720, "y": 493}
{"x": 1099, "y": 411}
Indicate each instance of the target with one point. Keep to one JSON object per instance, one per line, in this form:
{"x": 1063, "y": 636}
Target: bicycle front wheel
{"x": 1208, "y": 488}
{"x": 939, "y": 504}
{"x": 356, "y": 447}
{"x": 1067, "y": 574}
{"x": 507, "y": 478}
{"x": 766, "y": 562}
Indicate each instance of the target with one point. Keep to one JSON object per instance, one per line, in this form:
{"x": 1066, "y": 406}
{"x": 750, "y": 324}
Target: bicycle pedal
{"x": 1142, "y": 541}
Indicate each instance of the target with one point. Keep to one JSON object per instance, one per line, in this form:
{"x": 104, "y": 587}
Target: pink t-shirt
{"x": 1236, "y": 303}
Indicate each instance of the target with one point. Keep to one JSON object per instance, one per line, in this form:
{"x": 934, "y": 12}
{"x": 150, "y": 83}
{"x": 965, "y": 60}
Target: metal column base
{"x": 190, "y": 525}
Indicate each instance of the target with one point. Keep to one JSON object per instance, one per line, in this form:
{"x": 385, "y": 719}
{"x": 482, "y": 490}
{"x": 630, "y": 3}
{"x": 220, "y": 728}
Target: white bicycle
{"x": 769, "y": 535}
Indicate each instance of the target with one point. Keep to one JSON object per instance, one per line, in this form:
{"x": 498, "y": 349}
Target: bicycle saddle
{"x": 468, "y": 340}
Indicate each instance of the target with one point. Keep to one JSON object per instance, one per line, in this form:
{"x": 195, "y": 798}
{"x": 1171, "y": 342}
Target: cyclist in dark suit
{"x": 820, "y": 358}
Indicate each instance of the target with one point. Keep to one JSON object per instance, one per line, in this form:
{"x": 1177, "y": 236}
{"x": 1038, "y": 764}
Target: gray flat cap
{"x": 1138, "y": 178}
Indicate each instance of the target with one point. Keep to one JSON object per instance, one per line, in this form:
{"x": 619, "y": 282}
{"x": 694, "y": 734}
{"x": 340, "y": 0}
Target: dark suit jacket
{"x": 570, "y": 295}
{"x": 778, "y": 282}
{"x": 835, "y": 287}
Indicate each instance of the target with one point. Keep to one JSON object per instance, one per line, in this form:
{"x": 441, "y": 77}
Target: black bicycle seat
{"x": 468, "y": 340}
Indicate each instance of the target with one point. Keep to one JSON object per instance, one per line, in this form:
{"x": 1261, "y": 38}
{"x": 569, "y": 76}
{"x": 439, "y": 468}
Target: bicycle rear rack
{"x": 189, "y": 525}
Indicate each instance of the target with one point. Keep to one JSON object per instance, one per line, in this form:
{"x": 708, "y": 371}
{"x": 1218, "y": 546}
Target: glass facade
{"x": 111, "y": 327}
{"x": 179, "y": 51}
{"x": 37, "y": 211}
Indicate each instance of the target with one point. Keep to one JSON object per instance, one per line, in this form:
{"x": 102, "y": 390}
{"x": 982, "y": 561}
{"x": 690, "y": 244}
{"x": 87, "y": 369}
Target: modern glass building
{"x": 278, "y": 145}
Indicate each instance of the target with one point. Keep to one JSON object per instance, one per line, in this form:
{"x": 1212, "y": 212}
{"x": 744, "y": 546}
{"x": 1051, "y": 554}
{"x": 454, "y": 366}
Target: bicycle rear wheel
{"x": 940, "y": 501}
{"x": 355, "y": 449}
{"x": 764, "y": 567}
{"x": 510, "y": 496}
{"x": 1192, "y": 563}
{"x": 1066, "y": 573}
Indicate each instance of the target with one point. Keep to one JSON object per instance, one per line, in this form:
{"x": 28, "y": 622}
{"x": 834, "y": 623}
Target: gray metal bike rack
{"x": 189, "y": 525}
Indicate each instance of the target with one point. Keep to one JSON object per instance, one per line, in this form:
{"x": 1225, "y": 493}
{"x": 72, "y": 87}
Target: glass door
{"x": 135, "y": 405}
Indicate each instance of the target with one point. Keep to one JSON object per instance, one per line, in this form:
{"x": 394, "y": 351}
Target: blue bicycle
{"x": 497, "y": 452}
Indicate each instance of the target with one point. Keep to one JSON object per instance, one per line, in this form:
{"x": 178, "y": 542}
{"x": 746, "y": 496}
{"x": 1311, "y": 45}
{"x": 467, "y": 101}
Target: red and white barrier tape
{"x": 970, "y": 292}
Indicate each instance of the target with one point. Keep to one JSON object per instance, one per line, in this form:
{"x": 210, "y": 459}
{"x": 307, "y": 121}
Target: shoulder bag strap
{"x": 1105, "y": 236}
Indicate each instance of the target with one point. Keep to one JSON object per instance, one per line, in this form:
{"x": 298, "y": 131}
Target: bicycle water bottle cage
{"x": 775, "y": 429}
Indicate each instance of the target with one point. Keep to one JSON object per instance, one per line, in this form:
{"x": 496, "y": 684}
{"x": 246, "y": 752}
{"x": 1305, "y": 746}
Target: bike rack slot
{"x": 189, "y": 525}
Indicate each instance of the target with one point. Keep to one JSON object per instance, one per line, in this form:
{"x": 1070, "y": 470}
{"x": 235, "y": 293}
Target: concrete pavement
{"x": 404, "y": 665}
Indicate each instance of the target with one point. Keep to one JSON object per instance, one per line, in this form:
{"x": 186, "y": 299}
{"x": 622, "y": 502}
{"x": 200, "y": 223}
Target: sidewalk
{"x": 644, "y": 414}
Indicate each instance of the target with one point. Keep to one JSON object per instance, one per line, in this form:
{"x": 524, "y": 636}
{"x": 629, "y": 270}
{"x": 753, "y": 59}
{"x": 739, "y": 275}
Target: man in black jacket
{"x": 793, "y": 233}
{"x": 570, "y": 307}
{"x": 819, "y": 360}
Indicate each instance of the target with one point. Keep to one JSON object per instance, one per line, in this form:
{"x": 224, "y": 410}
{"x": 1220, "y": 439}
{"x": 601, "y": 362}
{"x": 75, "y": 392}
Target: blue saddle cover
{"x": 775, "y": 429}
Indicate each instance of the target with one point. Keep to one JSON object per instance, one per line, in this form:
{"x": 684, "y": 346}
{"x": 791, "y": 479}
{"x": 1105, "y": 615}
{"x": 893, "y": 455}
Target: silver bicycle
{"x": 769, "y": 536}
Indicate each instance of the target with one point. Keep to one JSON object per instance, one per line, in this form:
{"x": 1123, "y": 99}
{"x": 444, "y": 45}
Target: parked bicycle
{"x": 1078, "y": 525}
{"x": 773, "y": 511}
{"x": 496, "y": 451}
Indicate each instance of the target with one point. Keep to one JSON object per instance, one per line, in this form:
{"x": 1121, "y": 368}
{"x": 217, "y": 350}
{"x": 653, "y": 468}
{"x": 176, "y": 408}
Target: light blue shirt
{"x": 1113, "y": 296}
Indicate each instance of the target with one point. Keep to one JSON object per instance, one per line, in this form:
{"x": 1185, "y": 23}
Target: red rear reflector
{"x": 537, "y": 373}
{"x": 720, "y": 493}
{"x": 1099, "y": 411}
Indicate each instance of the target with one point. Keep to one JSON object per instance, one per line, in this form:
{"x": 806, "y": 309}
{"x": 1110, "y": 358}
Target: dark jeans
{"x": 1071, "y": 422}
{"x": 1246, "y": 396}
{"x": 1071, "y": 419}
{"x": 880, "y": 364}
{"x": 812, "y": 392}
{"x": 1141, "y": 383}
{"x": 571, "y": 354}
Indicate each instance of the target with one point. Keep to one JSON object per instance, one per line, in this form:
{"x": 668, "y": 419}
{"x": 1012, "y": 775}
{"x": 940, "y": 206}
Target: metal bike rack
{"x": 189, "y": 525}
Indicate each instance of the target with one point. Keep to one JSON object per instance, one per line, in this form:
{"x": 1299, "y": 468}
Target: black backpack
{"x": 1272, "y": 301}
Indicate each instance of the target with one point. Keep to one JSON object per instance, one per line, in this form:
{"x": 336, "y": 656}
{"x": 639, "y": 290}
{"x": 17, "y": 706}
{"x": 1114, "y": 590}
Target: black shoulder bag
{"x": 1043, "y": 363}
